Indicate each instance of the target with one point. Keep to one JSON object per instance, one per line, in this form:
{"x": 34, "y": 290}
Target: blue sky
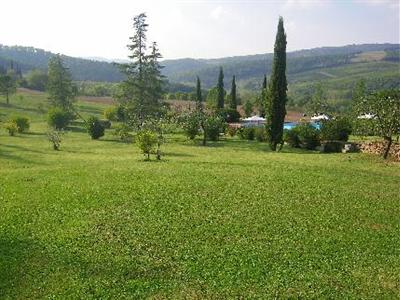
{"x": 196, "y": 28}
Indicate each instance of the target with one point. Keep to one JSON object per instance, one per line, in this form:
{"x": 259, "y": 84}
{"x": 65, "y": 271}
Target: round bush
{"x": 260, "y": 134}
{"x": 291, "y": 138}
{"x": 214, "y": 125}
{"x": 95, "y": 128}
{"x": 336, "y": 130}
{"x": 58, "y": 118}
{"x": 308, "y": 136}
{"x": 22, "y": 123}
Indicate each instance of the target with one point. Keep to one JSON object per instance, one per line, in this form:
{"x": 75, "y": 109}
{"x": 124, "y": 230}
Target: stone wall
{"x": 379, "y": 147}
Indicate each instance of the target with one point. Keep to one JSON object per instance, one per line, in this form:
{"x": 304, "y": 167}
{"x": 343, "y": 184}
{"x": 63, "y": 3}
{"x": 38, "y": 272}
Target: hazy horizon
{"x": 197, "y": 29}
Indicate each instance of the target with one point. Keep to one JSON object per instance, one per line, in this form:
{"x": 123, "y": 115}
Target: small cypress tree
{"x": 277, "y": 90}
{"x": 263, "y": 101}
{"x": 199, "y": 98}
{"x": 233, "y": 102}
{"x": 220, "y": 88}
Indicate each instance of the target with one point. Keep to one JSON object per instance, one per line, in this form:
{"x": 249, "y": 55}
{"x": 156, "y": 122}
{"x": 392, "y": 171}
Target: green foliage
{"x": 308, "y": 136}
{"x": 248, "y": 108}
{"x": 229, "y": 115}
{"x": 11, "y": 128}
{"x": 260, "y": 134}
{"x": 7, "y": 86}
{"x": 110, "y": 113}
{"x": 384, "y": 105}
{"x": 338, "y": 129}
{"x": 60, "y": 88}
{"x": 220, "y": 89}
{"x": 191, "y": 124}
{"x": 232, "y": 131}
{"x": 199, "y": 97}
{"x": 122, "y": 131}
{"x": 106, "y": 124}
{"x": 147, "y": 142}
{"x": 291, "y": 137}
{"x": 247, "y": 133}
{"x": 276, "y": 95}
{"x": 94, "y": 127}
{"x": 58, "y": 118}
{"x": 142, "y": 91}
{"x": 318, "y": 103}
{"x": 332, "y": 146}
{"x": 213, "y": 126}
{"x": 212, "y": 97}
{"x": 37, "y": 80}
{"x": 54, "y": 137}
{"x": 233, "y": 97}
{"x": 22, "y": 123}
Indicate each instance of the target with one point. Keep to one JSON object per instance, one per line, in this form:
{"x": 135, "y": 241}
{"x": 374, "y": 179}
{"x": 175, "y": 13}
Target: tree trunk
{"x": 389, "y": 140}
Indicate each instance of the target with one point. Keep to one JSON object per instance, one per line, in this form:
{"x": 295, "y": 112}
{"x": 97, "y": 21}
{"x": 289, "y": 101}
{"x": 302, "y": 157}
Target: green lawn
{"x": 229, "y": 220}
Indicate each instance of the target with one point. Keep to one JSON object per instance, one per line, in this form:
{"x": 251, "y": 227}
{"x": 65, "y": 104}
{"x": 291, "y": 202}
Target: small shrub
{"x": 22, "y": 123}
{"x": 106, "y": 124}
{"x": 147, "y": 142}
{"x": 123, "y": 132}
{"x": 308, "y": 136}
{"x": 54, "y": 136}
{"x": 247, "y": 133}
{"x": 291, "y": 137}
{"x": 110, "y": 113}
{"x": 214, "y": 125}
{"x": 232, "y": 131}
{"x": 58, "y": 118}
{"x": 336, "y": 130}
{"x": 260, "y": 134}
{"x": 120, "y": 113}
{"x": 94, "y": 128}
{"x": 11, "y": 128}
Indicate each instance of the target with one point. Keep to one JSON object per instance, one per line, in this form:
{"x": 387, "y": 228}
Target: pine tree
{"x": 60, "y": 88}
{"x": 221, "y": 91}
{"x": 141, "y": 92}
{"x": 199, "y": 98}
{"x": 277, "y": 90}
{"x": 233, "y": 99}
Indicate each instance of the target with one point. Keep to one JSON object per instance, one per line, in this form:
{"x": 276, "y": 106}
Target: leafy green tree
{"x": 37, "y": 80}
{"x": 60, "y": 88}
{"x": 384, "y": 106}
{"x": 233, "y": 98}
{"x": 318, "y": 103}
{"x": 277, "y": 90}
{"x": 199, "y": 98}
{"x": 220, "y": 89}
{"x": 7, "y": 86}
{"x": 212, "y": 96}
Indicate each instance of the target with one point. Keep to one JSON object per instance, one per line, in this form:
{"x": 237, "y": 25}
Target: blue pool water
{"x": 291, "y": 125}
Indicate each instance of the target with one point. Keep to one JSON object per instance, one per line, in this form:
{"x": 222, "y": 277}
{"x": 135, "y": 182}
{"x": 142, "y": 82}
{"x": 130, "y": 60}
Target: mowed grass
{"x": 229, "y": 220}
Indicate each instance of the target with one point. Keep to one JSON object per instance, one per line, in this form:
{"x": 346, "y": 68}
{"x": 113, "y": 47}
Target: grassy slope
{"x": 232, "y": 219}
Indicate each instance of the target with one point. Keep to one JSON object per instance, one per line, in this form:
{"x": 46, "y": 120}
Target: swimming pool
{"x": 291, "y": 125}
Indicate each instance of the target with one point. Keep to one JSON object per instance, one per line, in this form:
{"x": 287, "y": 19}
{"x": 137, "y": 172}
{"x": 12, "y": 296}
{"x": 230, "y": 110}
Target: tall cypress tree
{"x": 277, "y": 90}
{"x": 263, "y": 101}
{"x": 199, "y": 98}
{"x": 233, "y": 103}
{"x": 220, "y": 88}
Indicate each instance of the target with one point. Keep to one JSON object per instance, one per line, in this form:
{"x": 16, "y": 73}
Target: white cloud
{"x": 217, "y": 13}
{"x": 303, "y": 4}
{"x": 388, "y": 3}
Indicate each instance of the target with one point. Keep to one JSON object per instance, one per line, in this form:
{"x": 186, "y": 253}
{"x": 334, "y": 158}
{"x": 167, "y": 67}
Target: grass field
{"x": 230, "y": 220}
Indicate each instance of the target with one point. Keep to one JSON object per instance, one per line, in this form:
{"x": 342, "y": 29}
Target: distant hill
{"x": 338, "y": 68}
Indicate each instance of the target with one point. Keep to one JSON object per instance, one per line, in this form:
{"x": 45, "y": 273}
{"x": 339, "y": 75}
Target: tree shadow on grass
{"x": 24, "y": 149}
{"x": 23, "y": 109}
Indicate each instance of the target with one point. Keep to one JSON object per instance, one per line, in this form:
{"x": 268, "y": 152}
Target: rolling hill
{"x": 337, "y": 68}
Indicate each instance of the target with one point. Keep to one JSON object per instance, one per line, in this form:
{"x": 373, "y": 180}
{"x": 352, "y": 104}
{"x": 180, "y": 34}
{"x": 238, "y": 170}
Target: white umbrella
{"x": 254, "y": 119}
{"x": 320, "y": 117}
{"x": 366, "y": 116}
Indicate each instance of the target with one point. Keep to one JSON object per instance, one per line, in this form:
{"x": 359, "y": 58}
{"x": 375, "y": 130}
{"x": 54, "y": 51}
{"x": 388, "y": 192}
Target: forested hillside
{"x": 337, "y": 68}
